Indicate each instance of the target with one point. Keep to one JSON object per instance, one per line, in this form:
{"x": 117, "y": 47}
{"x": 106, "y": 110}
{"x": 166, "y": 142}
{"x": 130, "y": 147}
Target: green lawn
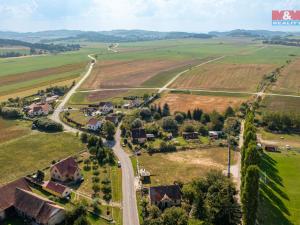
{"x": 279, "y": 190}
{"x": 36, "y": 151}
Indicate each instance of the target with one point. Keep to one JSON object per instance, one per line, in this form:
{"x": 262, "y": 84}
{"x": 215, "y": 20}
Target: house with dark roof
{"x": 39, "y": 210}
{"x": 113, "y": 119}
{"x": 106, "y": 107}
{"x": 7, "y": 196}
{"x": 165, "y": 196}
{"x": 17, "y": 198}
{"x": 56, "y": 189}
{"x": 66, "y": 170}
{"x": 138, "y": 136}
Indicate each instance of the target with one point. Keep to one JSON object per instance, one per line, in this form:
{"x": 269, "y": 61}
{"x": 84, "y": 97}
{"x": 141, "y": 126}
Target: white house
{"x": 39, "y": 109}
{"x": 94, "y": 124}
{"x": 106, "y": 107}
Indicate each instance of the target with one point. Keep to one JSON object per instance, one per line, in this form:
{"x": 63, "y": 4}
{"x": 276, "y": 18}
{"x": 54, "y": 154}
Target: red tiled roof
{"x": 7, "y": 192}
{"x": 66, "y": 166}
{"x": 56, "y": 187}
{"x": 93, "y": 121}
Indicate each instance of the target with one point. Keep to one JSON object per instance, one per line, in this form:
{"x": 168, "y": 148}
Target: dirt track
{"x": 128, "y": 74}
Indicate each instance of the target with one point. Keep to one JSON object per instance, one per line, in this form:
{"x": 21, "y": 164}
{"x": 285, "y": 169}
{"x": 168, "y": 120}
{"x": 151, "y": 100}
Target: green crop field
{"x": 26, "y": 154}
{"x": 41, "y": 71}
{"x": 270, "y": 55}
{"x": 279, "y": 189}
{"x": 23, "y": 51}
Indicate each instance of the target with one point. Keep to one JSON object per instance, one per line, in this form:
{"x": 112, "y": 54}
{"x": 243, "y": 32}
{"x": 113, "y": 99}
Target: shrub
{"x": 47, "y": 125}
{"x": 11, "y": 113}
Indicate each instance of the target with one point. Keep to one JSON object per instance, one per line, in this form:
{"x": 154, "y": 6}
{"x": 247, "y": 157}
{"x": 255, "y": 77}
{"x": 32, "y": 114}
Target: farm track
{"x": 191, "y": 90}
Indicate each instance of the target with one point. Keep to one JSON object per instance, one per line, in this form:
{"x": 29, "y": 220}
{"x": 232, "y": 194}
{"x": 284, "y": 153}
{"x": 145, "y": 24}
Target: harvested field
{"x": 289, "y": 80}
{"x": 183, "y": 166}
{"x": 128, "y": 73}
{"x": 22, "y": 77}
{"x": 185, "y": 102}
{"x": 281, "y": 104}
{"x": 11, "y": 129}
{"x": 220, "y": 76}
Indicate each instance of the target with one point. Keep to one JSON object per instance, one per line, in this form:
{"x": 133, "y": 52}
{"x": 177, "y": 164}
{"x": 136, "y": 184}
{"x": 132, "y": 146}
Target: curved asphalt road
{"x": 130, "y": 212}
{"x": 55, "y": 116}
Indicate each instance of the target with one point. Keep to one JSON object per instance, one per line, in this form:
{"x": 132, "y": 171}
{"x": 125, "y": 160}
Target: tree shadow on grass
{"x": 268, "y": 166}
{"x": 269, "y": 213}
{"x": 272, "y": 209}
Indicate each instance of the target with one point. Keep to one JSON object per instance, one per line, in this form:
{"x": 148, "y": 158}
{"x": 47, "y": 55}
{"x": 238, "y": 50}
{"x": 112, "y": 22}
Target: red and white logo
{"x": 286, "y": 17}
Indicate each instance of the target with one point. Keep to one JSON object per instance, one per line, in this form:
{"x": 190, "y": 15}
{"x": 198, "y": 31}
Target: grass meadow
{"x": 184, "y": 166}
{"x": 26, "y": 154}
{"x": 279, "y": 189}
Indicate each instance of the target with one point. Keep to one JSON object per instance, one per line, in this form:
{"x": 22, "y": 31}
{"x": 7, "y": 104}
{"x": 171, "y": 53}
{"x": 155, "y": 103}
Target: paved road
{"x": 130, "y": 212}
{"x": 55, "y": 116}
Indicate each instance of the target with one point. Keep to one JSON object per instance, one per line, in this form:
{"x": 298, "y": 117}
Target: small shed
{"x": 190, "y": 135}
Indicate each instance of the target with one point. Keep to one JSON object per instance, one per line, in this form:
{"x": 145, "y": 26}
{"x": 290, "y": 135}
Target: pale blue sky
{"x": 161, "y": 15}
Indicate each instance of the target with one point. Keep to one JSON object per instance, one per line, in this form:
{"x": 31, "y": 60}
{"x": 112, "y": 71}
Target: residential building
{"x": 165, "y": 196}
{"x": 138, "y": 136}
{"x": 113, "y": 119}
{"x": 39, "y": 109}
{"x": 94, "y": 124}
{"x": 17, "y": 198}
{"x": 66, "y": 170}
{"x": 37, "y": 209}
{"x": 106, "y": 107}
{"x": 56, "y": 189}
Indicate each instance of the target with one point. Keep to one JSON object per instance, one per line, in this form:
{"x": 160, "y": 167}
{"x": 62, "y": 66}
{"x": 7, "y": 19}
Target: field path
{"x": 60, "y": 108}
{"x": 185, "y": 71}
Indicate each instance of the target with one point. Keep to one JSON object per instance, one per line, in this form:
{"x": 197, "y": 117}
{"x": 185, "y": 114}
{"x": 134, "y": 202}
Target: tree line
{"x": 281, "y": 121}
{"x": 250, "y": 159}
{"x": 52, "y": 48}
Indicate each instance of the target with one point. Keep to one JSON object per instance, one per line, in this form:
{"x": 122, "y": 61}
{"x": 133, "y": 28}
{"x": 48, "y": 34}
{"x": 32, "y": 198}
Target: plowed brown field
{"x": 185, "y": 102}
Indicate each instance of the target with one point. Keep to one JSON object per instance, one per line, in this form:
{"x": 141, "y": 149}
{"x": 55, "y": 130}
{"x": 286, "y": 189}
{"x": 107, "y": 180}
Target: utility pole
{"x": 229, "y": 160}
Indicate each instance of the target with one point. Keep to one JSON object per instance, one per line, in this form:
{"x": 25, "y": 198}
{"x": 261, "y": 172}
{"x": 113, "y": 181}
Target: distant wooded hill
{"x": 132, "y": 35}
{"x": 35, "y": 48}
